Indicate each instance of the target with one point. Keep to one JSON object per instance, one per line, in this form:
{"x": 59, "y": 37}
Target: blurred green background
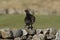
{"x": 17, "y": 21}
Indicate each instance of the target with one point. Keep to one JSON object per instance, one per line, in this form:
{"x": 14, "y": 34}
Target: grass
{"x": 17, "y": 21}
{"x": 47, "y": 21}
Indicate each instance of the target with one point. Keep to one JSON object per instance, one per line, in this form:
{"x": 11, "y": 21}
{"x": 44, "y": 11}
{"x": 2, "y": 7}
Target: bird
{"x": 29, "y": 19}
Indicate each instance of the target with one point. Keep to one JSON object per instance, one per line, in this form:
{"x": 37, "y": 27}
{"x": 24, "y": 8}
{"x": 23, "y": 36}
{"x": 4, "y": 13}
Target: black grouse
{"x": 29, "y": 19}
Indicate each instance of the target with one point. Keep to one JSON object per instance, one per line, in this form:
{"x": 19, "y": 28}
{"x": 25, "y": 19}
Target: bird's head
{"x": 26, "y": 10}
{"x": 29, "y": 11}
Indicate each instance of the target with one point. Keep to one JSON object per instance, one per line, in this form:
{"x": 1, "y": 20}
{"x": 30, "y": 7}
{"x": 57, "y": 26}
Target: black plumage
{"x": 29, "y": 19}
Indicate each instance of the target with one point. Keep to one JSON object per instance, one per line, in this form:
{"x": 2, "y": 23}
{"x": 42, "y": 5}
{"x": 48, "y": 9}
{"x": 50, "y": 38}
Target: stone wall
{"x": 20, "y": 34}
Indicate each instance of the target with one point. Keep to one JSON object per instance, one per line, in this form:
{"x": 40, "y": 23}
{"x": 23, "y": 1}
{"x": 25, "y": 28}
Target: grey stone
{"x": 31, "y": 31}
{"x": 57, "y": 35}
{"x": 38, "y": 31}
{"x": 41, "y": 36}
{"x": 35, "y": 37}
{"x": 24, "y": 32}
{"x": 18, "y": 38}
{"x": 17, "y": 33}
{"x": 6, "y": 33}
{"x": 38, "y": 37}
{"x": 29, "y": 37}
{"x": 23, "y": 37}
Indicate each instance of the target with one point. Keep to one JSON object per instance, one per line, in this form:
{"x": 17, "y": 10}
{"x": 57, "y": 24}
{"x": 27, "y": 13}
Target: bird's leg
{"x": 31, "y": 26}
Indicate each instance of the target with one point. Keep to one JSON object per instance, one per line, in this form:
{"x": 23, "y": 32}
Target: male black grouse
{"x": 29, "y": 19}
